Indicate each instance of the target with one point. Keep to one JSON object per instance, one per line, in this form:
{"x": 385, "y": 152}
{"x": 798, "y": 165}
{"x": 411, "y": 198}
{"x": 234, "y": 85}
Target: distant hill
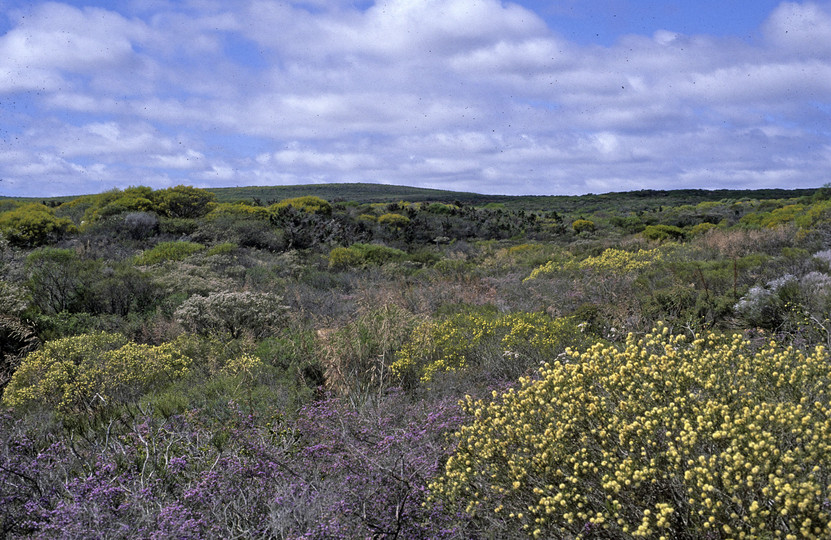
{"x": 363, "y": 193}
{"x": 620, "y": 202}
{"x": 632, "y": 201}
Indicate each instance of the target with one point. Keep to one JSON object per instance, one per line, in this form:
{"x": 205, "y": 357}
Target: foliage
{"x": 702, "y": 228}
{"x": 333, "y": 472}
{"x": 284, "y": 420}
{"x": 238, "y": 210}
{"x": 506, "y": 344}
{"x": 225, "y": 248}
{"x": 92, "y": 371}
{"x": 663, "y": 233}
{"x": 168, "y": 251}
{"x": 114, "y": 202}
{"x": 612, "y": 260}
{"x": 582, "y": 225}
{"x": 657, "y": 437}
{"x": 363, "y": 255}
{"x": 232, "y": 313}
{"x": 33, "y": 225}
{"x": 357, "y": 356}
{"x": 17, "y": 337}
{"x": 393, "y": 220}
{"x": 141, "y": 225}
{"x": 57, "y": 279}
{"x": 308, "y": 203}
{"x": 183, "y": 202}
{"x": 621, "y": 262}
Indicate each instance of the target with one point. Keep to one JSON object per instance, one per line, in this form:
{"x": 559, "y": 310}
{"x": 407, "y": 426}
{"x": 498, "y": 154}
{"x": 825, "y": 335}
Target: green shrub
{"x": 177, "y": 226}
{"x": 309, "y": 203}
{"x": 505, "y": 345}
{"x": 583, "y": 225}
{"x": 90, "y": 372}
{"x": 782, "y": 216}
{"x": 33, "y": 225}
{"x": 702, "y": 228}
{"x": 363, "y": 255}
{"x": 438, "y": 208}
{"x": 232, "y": 313}
{"x": 111, "y": 203}
{"x": 58, "y": 279}
{"x": 395, "y": 221}
{"x": 659, "y": 438}
{"x": 238, "y": 210}
{"x": 183, "y": 202}
{"x": 662, "y": 233}
{"x": 168, "y": 251}
{"x": 224, "y": 248}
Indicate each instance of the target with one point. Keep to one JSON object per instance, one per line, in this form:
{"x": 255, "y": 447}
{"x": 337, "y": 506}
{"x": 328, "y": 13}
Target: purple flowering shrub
{"x": 331, "y": 472}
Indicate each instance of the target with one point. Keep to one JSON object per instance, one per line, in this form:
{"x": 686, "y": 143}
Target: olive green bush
{"x": 363, "y": 255}
{"x": 33, "y": 225}
{"x": 84, "y": 373}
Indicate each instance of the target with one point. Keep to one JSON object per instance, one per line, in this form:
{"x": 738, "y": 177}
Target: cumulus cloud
{"x": 479, "y": 95}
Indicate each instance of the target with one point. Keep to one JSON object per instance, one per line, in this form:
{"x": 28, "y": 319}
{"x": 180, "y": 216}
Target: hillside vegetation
{"x": 356, "y": 361}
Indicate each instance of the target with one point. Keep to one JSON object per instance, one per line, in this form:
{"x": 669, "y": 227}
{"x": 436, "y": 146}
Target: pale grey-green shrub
{"x": 232, "y": 314}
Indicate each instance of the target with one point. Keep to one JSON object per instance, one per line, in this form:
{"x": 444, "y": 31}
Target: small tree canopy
{"x": 33, "y": 225}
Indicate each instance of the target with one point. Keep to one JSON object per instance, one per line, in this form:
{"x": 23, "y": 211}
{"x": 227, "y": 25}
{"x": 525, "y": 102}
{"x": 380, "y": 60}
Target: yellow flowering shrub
{"x": 561, "y": 264}
{"x": 620, "y": 261}
{"x": 657, "y": 438}
{"x": 90, "y": 371}
{"x": 471, "y": 338}
{"x": 393, "y": 220}
{"x": 583, "y": 225}
{"x": 246, "y": 364}
{"x": 307, "y": 203}
{"x": 611, "y": 261}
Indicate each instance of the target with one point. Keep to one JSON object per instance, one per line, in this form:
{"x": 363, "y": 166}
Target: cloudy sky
{"x": 515, "y": 97}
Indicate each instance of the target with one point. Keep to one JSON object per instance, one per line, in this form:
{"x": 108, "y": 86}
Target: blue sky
{"x": 525, "y": 97}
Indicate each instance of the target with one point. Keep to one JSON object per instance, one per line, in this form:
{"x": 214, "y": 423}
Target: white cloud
{"x": 801, "y": 29}
{"x": 472, "y": 94}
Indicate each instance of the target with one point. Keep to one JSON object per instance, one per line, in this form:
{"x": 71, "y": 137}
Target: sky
{"x": 504, "y": 97}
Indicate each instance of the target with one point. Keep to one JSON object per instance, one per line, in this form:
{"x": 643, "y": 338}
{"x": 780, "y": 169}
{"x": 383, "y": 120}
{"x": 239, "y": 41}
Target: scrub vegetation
{"x": 354, "y": 361}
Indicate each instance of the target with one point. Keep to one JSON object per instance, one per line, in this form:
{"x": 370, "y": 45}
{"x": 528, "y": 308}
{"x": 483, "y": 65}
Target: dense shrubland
{"x": 646, "y": 365}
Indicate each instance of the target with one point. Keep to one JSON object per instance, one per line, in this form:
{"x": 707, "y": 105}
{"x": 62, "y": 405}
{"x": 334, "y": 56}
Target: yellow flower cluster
{"x": 616, "y": 261}
{"x": 245, "y": 364}
{"x": 656, "y": 438}
{"x": 622, "y": 262}
{"x": 553, "y": 267}
{"x": 90, "y": 371}
{"x": 454, "y": 343}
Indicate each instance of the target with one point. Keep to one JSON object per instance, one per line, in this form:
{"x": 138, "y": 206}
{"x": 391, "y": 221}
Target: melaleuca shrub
{"x": 232, "y": 313}
{"x": 659, "y": 437}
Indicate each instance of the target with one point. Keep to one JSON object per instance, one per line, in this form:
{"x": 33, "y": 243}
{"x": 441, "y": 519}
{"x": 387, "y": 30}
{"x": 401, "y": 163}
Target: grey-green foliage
{"x": 232, "y": 313}
{"x": 790, "y": 304}
{"x": 56, "y": 279}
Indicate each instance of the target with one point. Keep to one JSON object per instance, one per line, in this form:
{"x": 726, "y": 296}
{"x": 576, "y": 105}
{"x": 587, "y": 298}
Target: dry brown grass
{"x": 741, "y": 242}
